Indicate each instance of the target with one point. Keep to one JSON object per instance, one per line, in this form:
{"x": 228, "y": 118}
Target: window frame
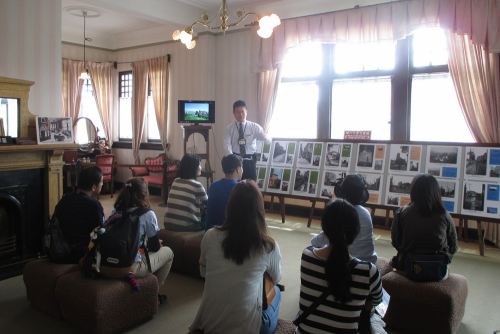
{"x": 401, "y": 77}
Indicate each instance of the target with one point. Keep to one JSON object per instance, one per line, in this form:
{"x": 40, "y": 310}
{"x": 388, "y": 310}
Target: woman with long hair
{"x": 353, "y": 189}
{"x": 233, "y": 260}
{"x": 423, "y": 226}
{"x": 187, "y": 198}
{"x": 135, "y": 196}
{"x": 349, "y": 282}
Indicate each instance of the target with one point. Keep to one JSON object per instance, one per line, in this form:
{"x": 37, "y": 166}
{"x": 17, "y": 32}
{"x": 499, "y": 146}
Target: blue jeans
{"x": 270, "y": 316}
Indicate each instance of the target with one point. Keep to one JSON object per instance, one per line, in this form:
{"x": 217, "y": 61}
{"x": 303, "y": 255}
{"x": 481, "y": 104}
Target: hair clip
{"x": 128, "y": 185}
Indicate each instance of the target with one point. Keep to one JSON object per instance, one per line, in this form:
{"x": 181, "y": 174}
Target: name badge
{"x": 242, "y": 142}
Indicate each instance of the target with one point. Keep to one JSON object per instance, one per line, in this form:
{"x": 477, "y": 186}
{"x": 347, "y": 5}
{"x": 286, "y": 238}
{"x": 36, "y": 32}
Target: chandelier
{"x": 266, "y": 24}
{"x": 85, "y": 73}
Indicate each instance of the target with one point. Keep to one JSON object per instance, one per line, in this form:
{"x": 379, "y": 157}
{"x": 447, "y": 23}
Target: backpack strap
{"x": 139, "y": 212}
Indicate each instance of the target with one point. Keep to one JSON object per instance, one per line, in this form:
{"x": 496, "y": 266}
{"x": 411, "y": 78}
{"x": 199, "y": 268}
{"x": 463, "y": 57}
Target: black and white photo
{"x": 54, "y": 130}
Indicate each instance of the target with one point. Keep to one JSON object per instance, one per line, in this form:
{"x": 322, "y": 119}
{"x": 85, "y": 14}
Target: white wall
{"x": 30, "y": 49}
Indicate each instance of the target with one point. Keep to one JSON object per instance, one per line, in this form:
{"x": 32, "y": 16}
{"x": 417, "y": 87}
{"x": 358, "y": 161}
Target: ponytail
{"x": 340, "y": 223}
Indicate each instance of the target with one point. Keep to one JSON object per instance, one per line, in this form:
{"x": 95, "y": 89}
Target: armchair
{"x": 154, "y": 172}
{"x": 107, "y": 172}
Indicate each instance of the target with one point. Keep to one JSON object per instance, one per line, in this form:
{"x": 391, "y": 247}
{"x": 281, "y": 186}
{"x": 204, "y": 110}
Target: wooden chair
{"x": 154, "y": 172}
{"x": 107, "y": 172}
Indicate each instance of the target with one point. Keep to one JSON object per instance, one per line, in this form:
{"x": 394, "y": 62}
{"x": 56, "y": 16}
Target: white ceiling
{"x": 125, "y": 23}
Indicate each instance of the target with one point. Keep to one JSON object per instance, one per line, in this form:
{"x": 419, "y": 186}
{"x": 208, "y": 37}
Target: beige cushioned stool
{"x": 383, "y": 266}
{"x": 106, "y": 305}
{"x": 40, "y": 278}
{"x": 421, "y": 307}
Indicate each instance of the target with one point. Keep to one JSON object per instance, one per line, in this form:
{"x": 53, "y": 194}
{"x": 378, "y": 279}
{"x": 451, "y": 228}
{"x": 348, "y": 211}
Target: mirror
{"x": 85, "y": 134}
{"x": 9, "y": 117}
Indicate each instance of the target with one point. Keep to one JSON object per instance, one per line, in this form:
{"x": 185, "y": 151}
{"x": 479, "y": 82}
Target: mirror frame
{"x": 96, "y": 139}
{"x": 20, "y": 89}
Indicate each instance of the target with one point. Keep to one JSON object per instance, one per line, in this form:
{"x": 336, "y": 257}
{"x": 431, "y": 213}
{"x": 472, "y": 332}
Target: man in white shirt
{"x": 240, "y": 139}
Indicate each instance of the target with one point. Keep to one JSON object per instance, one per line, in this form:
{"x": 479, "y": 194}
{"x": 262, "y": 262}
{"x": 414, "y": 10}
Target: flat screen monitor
{"x": 196, "y": 112}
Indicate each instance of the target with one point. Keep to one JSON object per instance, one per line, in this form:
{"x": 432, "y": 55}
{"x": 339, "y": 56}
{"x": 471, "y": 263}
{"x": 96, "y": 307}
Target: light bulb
{"x": 191, "y": 45}
{"x": 185, "y": 37}
{"x": 275, "y": 20}
{"x": 84, "y": 75}
{"x": 176, "y": 35}
{"x": 265, "y": 23}
{"x": 265, "y": 33}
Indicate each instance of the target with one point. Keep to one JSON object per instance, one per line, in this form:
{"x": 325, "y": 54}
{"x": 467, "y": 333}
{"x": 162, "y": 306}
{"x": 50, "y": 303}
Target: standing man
{"x": 240, "y": 139}
{"x": 221, "y": 189}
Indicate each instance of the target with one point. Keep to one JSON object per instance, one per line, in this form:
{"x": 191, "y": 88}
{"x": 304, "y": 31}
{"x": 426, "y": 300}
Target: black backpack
{"x": 119, "y": 245}
{"x": 56, "y": 246}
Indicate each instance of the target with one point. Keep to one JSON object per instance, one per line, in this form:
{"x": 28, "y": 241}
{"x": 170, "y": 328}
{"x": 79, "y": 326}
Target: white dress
{"x": 232, "y": 299}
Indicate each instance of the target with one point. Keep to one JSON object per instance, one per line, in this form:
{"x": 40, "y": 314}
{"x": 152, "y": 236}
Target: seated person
{"x": 348, "y": 281}
{"x": 187, "y": 198}
{"x": 79, "y": 213}
{"x": 424, "y": 226}
{"x": 233, "y": 260}
{"x": 353, "y": 189}
{"x": 220, "y": 190}
{"x": 134, "y": 195}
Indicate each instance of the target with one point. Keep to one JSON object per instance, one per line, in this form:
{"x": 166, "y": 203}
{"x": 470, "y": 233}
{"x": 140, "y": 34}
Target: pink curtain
{"x": 476, "y": 77}
{"x": 139, "y": 88}
{"x": 384, "y": 22}
{"x": 159, "y": 75}
{"x": 267, "y": 92}
{"x": 100, "y": 74}
{"x": 71, "y": 88}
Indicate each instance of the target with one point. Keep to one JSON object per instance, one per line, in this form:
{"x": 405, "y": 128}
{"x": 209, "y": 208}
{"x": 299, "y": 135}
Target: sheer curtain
{"x": 267, "y": 90}
{"x": 139, "y": 88}
{"x": 71, "y": 88}
{"x": 100, "y": 74}
{"x": 476, "y": 76}
{"x": 159, "y": 74}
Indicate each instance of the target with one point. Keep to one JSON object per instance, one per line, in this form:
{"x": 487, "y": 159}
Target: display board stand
{"x": 204, "y": 131}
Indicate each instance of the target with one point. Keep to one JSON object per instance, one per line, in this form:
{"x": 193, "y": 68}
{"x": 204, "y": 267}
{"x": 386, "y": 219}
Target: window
{"x": 88, "y": 108}
{"x": 390, "y": 89}
{"x": 125, "y": 110}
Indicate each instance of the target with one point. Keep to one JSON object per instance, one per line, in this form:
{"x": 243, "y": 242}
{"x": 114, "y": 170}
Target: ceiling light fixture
{"x": 85, "y": 73}
{"x": 266, "y": 23}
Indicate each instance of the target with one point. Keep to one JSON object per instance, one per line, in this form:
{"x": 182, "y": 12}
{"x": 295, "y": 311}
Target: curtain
{"x": 476, "y": 77}
{"x": 100, "y": 75}
{"x": 159, "y": 75}
{"x": 267, "y": 92}
{"x": 71, "y": 88}
{"x": 139, "y": 88}
{"x": 380, "y": 23}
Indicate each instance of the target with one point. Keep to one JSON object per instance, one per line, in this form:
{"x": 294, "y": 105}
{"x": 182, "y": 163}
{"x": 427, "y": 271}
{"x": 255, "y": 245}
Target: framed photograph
{"x": 283, "y": 153}
{"x": 371, "y": 157}
{"x": 444, "y": 161}
{"x": 405, "y": 159}
{"x": 306, "y": 182}
{"x": 54, "y": 130}
{"x": 338, "y": 156}
{"x": 481, "y": 199}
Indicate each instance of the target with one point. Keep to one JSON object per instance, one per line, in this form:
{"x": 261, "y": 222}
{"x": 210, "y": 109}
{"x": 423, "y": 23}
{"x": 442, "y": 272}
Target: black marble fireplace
{"x": 21, "y": 219}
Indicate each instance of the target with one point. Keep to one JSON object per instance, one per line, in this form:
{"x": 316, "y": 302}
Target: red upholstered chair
{"x": 106, "y": 159}
{"x": 154, "y": 172}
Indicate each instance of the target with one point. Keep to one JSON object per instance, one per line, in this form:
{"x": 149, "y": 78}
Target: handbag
{"x": 427, "y": 267}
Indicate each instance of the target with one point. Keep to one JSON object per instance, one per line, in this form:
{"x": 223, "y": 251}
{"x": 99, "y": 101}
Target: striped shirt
{"x": 332, "y": 316}
{"x": 183, "y": 206}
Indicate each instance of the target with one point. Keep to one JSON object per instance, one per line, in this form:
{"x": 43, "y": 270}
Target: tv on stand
{"x": 196, "y": 112}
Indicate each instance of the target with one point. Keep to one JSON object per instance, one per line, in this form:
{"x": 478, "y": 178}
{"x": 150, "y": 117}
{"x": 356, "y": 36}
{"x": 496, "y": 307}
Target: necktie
{"x": 241, "y": 136}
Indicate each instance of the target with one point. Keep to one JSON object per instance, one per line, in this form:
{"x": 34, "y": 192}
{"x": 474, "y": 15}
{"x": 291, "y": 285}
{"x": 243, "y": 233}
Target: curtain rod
{"x": 115, "y": 63}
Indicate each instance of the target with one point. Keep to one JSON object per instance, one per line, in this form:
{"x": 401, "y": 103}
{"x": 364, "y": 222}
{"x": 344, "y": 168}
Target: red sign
{"x": 363, "y": 135}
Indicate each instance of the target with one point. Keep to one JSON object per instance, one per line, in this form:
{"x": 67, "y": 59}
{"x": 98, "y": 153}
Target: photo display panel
{"x": 309, "y": 154}
{"x": 480, "y": 199}
{"x": 338, "y": 156}
{"x": 371, "y": 157}
{"x": 330, "y": 177}
{"x": 306, "y": 182}
{"x": 278, "y": 179}
{"x": 482, "y": 164}
{"x": 283, "y": 153}
{"x": 261, "y": 177}
{"x": 374, "y": 185}
{"x": 449, "y": 190}
{"x": 443, "y": 161}
{"x": 263, "y": 153}
{"x": 405, "y": 159}
{"x": 398, "y": 190}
